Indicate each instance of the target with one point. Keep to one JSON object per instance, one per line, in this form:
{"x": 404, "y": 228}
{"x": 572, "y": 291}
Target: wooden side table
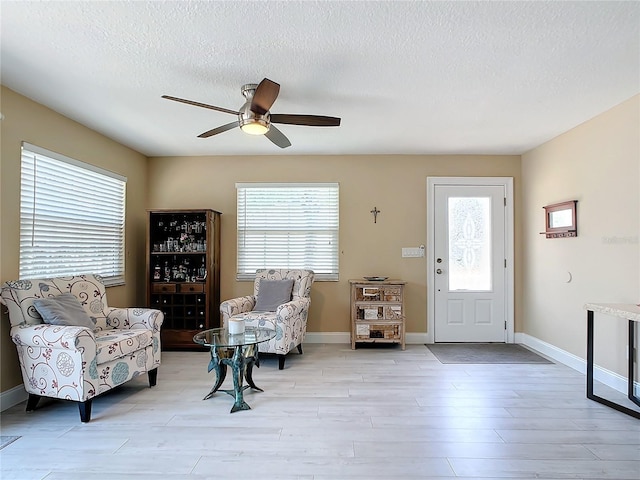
{"x": 377, "y": 311}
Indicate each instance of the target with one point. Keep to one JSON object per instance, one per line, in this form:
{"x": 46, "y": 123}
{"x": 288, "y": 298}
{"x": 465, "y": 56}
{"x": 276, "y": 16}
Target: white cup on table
{"x": 236, "y": 326}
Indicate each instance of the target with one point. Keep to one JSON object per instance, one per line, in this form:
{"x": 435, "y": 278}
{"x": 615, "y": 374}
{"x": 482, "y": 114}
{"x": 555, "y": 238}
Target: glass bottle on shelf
{"x": 167, "y": 271}
{"x": 174, "y": 272}
{"x": 202, "y": 271}
{"x": 157, "y": 274}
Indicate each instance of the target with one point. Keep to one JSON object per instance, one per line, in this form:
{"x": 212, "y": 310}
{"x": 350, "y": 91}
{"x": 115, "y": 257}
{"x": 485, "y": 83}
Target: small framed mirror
{"x": 561, "y": 220}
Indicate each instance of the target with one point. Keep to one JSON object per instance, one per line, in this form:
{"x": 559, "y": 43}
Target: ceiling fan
{"x": 254, "y": 116}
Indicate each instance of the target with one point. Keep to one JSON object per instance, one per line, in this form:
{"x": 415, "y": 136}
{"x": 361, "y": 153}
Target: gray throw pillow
{"x": 273, "y": 293}
{"x": 64, "y": 310}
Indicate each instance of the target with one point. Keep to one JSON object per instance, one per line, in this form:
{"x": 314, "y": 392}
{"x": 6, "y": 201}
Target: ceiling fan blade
{"x": 277, "y": 137}
{"x": 310, "y": 120}
{"x": 198, "y": 104}
{"x": 266, "y": 93}
{"x": 217, "y": 130}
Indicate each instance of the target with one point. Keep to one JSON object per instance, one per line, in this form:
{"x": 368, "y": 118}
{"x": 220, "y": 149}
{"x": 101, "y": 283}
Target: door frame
{"x": 509, "y": 294}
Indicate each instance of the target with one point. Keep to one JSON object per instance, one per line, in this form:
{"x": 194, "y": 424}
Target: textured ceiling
{"x": 405, "y": 77}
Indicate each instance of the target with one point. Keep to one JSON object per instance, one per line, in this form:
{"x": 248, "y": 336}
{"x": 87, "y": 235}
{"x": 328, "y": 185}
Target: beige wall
{"x": 28, "y": 121}
{"x": 395, "y": 184}
{"x": 598, "y": 164}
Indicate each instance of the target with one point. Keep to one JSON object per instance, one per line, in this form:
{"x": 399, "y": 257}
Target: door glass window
{"x": 470, "y": 243}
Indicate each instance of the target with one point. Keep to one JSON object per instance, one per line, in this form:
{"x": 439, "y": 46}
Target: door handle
{"x": 439, "y": 271}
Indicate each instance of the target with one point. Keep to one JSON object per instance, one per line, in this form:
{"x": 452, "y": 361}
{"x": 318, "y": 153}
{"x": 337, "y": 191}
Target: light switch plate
{"x": 412, "y": 252}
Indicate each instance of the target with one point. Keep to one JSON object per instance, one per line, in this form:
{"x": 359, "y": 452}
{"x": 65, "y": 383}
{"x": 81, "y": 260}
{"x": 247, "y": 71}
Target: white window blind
{"x": 288, "y": 225}
{"x": 72, "y": 218}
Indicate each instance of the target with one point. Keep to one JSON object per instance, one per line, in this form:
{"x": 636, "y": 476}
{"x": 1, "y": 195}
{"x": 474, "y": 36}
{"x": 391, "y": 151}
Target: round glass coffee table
{"x": 241, "y": 361}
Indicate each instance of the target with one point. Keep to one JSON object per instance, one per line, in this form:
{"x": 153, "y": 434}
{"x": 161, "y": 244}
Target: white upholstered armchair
{"x": 281, "y": 299}
{"x": 72, "y": 345}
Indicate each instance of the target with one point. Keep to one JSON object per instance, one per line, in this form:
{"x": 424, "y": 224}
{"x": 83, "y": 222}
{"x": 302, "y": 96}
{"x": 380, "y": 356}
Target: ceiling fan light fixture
{"x": 251, "y": 122}
{"x": 254, "y": 126}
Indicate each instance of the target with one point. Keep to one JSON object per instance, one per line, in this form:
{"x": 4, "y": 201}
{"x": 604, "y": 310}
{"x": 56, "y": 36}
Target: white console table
{"x": 631, "y": 313}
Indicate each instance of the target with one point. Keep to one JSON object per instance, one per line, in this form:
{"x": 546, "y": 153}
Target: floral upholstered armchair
{"x": 72, "y": 345}
{"x": 280, "y": 300}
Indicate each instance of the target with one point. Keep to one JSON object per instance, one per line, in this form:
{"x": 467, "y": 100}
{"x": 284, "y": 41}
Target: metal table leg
{"x": 590, "y": 358}
{"x": 631, "y": 356}
{"x": 251, "y": 361}
{"x": 237, "y": 364}
{"x": 221, "y": 371}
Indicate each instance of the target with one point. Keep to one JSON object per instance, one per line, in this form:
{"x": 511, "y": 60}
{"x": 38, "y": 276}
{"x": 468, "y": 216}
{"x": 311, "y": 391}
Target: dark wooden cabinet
{"x": 183, "y": 273}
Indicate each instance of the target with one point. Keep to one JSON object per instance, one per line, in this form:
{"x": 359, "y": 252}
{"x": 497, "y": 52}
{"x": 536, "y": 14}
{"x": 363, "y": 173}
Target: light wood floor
{"x": 333, "y": 413}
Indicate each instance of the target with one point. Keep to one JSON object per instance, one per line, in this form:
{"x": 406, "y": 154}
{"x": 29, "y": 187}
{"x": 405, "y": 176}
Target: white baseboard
{"x": 345, "y": 337}
{"x": 12, "y": 397}
{"x": 602, "y": 375}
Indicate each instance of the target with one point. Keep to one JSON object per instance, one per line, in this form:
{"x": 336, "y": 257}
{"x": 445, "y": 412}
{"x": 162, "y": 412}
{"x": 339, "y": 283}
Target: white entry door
{"x": 469, "y": 261}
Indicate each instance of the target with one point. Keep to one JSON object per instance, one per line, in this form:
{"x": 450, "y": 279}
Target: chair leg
{"x": 32, "y": 401}
{"x": 153, "y": 377}
{"x": 281, "y": 362}
{"x": 300, "y": 349}
{"x": 85, "y": 411}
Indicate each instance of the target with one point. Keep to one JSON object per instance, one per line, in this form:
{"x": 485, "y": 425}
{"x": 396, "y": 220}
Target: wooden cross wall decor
{"x": 375, "y": 212}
